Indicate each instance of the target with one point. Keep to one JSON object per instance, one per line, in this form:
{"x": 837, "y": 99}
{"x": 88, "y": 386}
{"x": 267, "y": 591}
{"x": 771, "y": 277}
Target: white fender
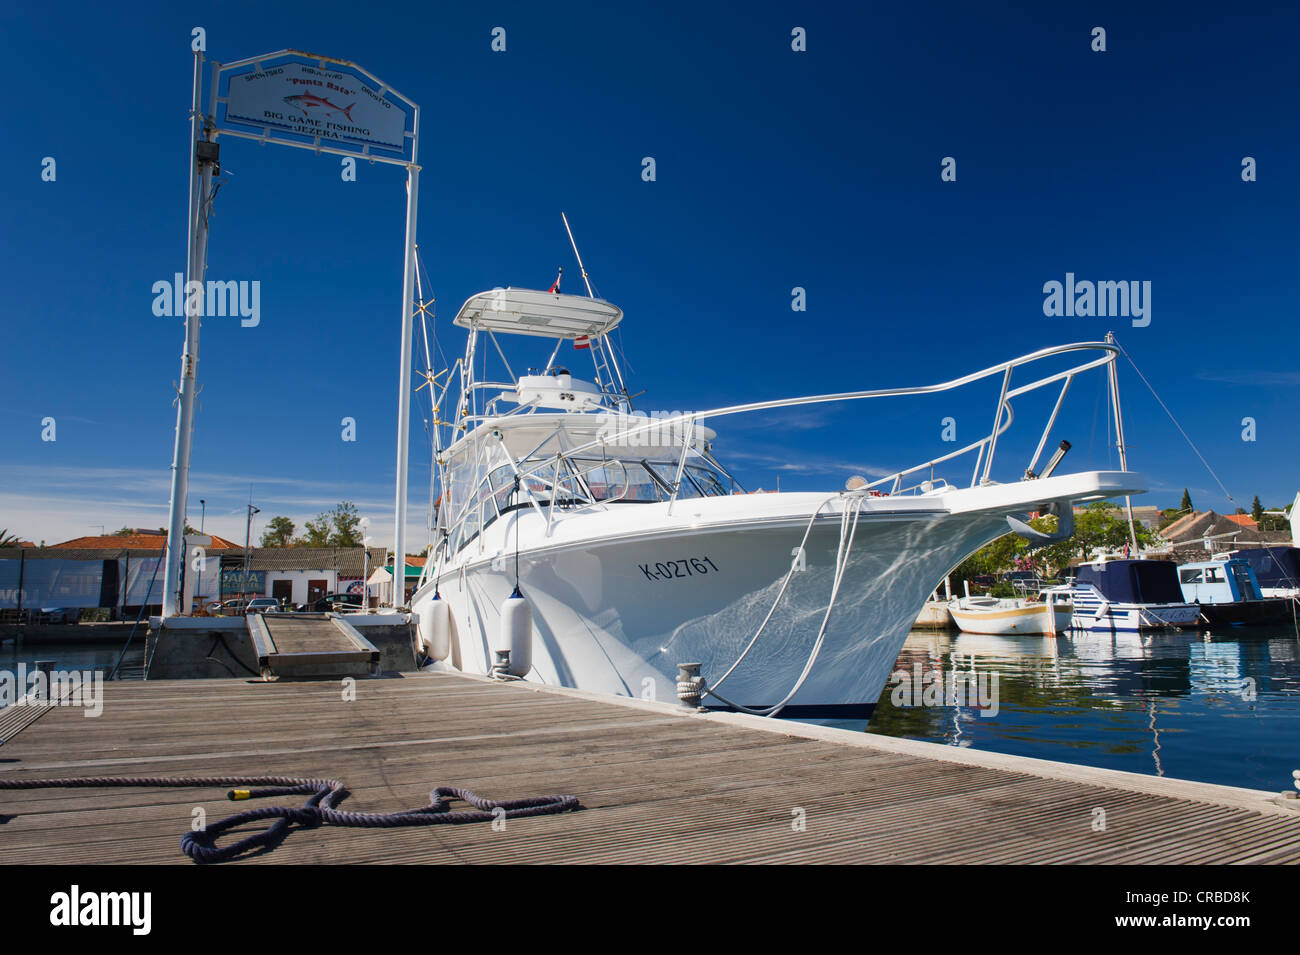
{"x": 517, "y": 633}
{"x": 435, "y": 628}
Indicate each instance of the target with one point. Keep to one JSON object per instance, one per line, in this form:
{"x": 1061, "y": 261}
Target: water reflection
{"x": 1220, "y": 707}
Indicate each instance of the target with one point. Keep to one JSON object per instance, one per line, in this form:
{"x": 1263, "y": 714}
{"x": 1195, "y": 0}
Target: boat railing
{"x": 985, "y": 448}
{"x": 530, "y": 467}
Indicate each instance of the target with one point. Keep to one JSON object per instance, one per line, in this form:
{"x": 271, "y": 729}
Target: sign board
{"x": 303, "y": 100}
{"x": 233, "y": 582}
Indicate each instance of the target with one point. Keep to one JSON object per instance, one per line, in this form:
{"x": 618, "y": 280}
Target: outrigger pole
{"x": 1112, "y": 374}
{"x": 202, "y": 161}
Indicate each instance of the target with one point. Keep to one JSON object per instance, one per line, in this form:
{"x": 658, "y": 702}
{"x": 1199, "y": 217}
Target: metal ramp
{"x": 310, "y": 644}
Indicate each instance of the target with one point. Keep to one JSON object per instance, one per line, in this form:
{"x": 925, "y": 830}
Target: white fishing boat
{"x": 601, "y": 547}
{"x": 1050, "y": 614}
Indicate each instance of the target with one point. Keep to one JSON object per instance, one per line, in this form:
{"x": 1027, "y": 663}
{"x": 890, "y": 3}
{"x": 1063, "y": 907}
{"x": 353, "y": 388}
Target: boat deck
{"x": 658, "y": 785}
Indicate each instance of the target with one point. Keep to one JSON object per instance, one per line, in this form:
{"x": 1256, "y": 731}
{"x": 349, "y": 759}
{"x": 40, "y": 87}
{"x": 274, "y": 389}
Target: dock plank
{"x": 658, "y": 785}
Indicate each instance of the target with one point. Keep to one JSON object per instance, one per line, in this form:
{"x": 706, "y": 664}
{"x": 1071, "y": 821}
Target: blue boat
{"x": 1228, "y": 592}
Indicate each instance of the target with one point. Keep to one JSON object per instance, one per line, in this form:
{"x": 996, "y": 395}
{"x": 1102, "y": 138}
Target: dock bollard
{"x": 690, "y": 686}
{"x": 501, "y": 669}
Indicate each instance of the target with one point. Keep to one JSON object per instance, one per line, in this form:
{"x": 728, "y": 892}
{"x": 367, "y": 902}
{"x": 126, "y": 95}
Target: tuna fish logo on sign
{"x": 307, "y": 102}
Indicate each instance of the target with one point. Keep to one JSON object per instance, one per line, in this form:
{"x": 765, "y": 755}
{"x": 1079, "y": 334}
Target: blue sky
{"x": 775, "y": 169}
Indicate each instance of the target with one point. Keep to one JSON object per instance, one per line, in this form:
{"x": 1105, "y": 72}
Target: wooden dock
{"x": 658, "y": 785}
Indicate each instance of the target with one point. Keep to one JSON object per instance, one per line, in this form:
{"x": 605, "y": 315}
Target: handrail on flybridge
{"x": 529, "y": 467}
{"x": 1111, "y": 351}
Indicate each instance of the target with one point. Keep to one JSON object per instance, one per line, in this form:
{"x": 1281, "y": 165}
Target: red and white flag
{"x": 582, "y": 341}
{"x": 556, "y": 286}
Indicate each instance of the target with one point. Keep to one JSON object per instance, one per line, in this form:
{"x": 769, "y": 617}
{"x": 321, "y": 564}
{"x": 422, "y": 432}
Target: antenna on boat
{"x": 1112, "y": 374}
{"x": 599, "y": 343}
{"x": 578, "y": 255}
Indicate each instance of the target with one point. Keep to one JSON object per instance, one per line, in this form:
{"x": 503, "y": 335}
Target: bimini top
{"x": 521, "y": 311}
{"x": 1133, "y": 581}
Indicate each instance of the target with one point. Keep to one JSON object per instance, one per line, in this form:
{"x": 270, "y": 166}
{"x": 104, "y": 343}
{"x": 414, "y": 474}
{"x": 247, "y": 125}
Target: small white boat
{"x": 1009, "y": 615}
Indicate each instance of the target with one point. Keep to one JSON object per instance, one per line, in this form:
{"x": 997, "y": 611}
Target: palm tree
{"x": 7, "y": 539}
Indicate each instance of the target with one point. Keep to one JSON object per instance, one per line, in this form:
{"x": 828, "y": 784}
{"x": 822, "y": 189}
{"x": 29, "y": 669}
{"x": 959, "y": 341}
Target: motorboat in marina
{"x": 581, "y": 543}
{"x": 1050, "y": 613}
{"x": 1128, "y": 594}
{"x": 1276, "y": 569}
{"x": 1228, "y": 592}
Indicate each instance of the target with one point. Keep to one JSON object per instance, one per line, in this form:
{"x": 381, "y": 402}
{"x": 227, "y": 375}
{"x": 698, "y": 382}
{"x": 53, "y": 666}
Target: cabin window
{"x": 707, "y": 480}
{"x": 1190, "y": 576}
{"x": 1214, "y": 575}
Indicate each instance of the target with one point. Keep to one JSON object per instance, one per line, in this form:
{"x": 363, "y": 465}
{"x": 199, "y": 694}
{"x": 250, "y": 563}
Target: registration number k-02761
{"x": 671, "y": 569}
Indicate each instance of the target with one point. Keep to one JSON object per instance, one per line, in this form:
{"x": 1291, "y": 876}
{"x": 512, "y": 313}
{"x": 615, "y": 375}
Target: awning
{"x": 518, "y": 311}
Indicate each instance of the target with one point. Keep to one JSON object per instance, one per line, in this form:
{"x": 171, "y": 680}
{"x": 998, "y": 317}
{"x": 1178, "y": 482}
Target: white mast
{"x": 404, "y": 372}
{"x": 197, "y": 251}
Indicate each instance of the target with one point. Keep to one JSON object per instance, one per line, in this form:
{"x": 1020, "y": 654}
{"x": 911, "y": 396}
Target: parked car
{"x": 337, "y": 603}
{"x": 59, "y": 615}
{"x": 234, "y": 607}
{"x": 263, "y": 605}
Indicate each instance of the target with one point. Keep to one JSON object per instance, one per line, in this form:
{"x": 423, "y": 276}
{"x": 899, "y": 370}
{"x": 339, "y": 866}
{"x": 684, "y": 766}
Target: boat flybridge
{"x": 578, "y": 542}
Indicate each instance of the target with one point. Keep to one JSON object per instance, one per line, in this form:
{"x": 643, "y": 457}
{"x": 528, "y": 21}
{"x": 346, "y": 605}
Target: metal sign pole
{"x": 404, "y": 374}
{"x": 200, "y": 182}
{"x": 254, "y": 112}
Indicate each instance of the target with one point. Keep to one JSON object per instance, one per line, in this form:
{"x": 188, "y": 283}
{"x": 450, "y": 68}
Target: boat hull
{"x": 1114, "y": 617}
{"x": 618, "y": 615}
{"x": 1014, "y": 620}
{"x": 1248, "y": 612}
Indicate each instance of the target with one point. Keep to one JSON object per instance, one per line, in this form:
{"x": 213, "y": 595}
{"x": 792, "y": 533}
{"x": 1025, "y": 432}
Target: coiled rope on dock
{"x": 319, "y": 809}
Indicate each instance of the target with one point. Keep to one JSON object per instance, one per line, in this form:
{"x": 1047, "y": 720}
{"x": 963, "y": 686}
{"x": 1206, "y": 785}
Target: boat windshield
{"x": 577, "y": 482}
{"x": 644, "y": 481}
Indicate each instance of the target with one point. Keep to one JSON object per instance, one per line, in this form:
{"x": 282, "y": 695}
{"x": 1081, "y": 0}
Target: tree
{"x": 1275, "y": 522}
{"x": 317, "y": 532}
{"x": 1168, "y": 516}
{"x": 1186, "y": 506}
{"x": 7, "y": 539}
{"x": 340, "y": 527}
{"x": 347, "y": 525}
{"x": 1257, "y": 510}
{"x": 1100, "y": 526}
{"x": 279, "y": 533}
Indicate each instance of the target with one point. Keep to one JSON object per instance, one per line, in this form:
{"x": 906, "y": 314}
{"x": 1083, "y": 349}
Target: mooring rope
{"x": 794, "y": 563}
{"x": 318, "y": 810}
{"x": 848, "y": 530}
